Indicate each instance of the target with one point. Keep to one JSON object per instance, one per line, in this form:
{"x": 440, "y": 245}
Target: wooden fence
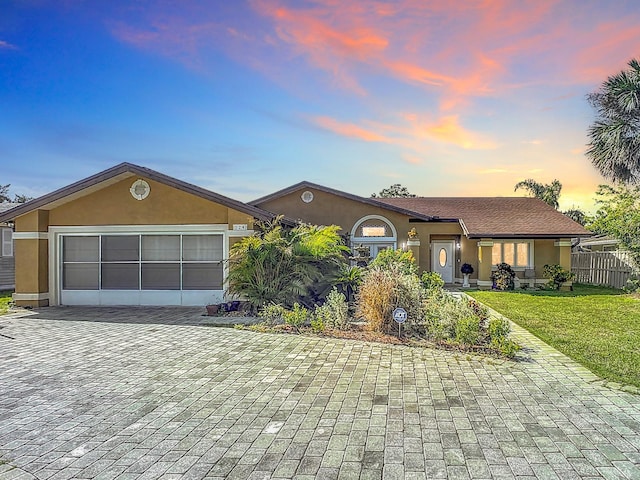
{"x": 602, "y": 268}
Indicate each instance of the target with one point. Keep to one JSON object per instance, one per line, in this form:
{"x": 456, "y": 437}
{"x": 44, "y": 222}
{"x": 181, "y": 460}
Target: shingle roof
{"x": 4, "y": 206}
{"x": 496, "y": 216}
{"x": 122, "y": 171}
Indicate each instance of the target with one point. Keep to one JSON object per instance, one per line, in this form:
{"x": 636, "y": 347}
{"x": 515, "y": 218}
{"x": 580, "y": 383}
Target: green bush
{"x": 317, "y": 323}
{"x": 285, "y": 265}
{"x": 503, "y": 277}
{"x": 557, "y": 275}
{"x": 297, "y": 316}
{"x": 431, "y": 280}
{"x": 499, "y": 328}
{"x": 468, "y": 330}
{"x": 335, "y": 311}
{"x": 400, "y": 260}
{"x": 272, "y": 314}
{"x": 443, "y": 312}
{"x": 633, "y": 284}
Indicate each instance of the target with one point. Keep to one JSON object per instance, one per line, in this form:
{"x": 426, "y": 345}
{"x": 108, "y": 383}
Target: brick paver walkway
{"x": 150, "y": 393}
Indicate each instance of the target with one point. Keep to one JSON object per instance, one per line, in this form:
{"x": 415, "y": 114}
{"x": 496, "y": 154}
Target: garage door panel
{"x": 142, "y": 269}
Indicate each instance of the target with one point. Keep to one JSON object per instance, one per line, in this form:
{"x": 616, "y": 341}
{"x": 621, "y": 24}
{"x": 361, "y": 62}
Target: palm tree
{"x": 284, "y": 266}
{"x": 614, "y": 147}
{"x": 548, "y": 193}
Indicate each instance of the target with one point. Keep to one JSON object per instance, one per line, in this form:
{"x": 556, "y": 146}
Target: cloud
{"x": 412, "y": 132}
{"x": 348, "y": 129}
{"x": 532, "y": 142}
{"x": 491, "y": 171}
{"x": 4, "y": 45}
{"x": 447, "y": 129}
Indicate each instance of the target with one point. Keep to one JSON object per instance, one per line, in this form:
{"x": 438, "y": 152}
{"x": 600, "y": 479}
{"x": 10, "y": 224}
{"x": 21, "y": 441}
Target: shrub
{"x": 431, "y": 280}
{"x": 297, "y": 316}
{"x": 400, "y": 260}
{"x": 499, "y": 329}
{"x": 384, "y": 290}
{"x": 468, "y": 330}
{"x": 443, "y": 312}
{"x": 282, "y": 265}
{"x": 348, "y": 280}
{"x": 557, "y": 275}
{"x": 478, "y": 309}
{"x": 337, "y": 310}
{"x": 503, "y": 277}
{"x": 633, "y": 284}
{"x": 272, "y": 314}
{"x": 317, "y": 323}
{"x": 466, "y": 268}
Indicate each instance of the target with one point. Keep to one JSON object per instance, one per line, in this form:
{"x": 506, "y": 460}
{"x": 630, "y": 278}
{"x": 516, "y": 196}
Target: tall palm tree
{"x": 548, "y": 193}
{"x": 614, "y": 147}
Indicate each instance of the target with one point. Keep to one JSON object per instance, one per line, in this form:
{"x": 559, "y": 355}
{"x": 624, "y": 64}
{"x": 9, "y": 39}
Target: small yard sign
{"x": 400, "y": 315}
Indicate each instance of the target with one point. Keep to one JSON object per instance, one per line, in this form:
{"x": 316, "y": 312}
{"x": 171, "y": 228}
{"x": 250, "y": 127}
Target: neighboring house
{"x": 134, "y": 236}
{"x": 597, "y": 243}
{"x": 126, "y": 236}
{"x": 7, "y": 264}
{"x": 482, "y": 231}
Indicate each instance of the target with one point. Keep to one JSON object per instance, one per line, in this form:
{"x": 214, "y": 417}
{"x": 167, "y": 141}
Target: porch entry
{"x": 443, "y": 259}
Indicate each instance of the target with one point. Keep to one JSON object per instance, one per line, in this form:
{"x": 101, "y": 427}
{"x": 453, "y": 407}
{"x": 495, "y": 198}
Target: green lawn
{"x": 5, "y": 298}
{"x": 597, "y": 327}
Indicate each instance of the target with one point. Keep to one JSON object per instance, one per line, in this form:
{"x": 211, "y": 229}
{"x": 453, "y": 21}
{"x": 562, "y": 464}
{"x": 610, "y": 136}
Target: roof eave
{"x": 122, "y": 169}
{"x": 528, "y": 235}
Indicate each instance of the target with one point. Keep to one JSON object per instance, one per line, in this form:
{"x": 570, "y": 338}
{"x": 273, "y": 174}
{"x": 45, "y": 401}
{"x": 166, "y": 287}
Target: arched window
{"x": 370, "y": 235}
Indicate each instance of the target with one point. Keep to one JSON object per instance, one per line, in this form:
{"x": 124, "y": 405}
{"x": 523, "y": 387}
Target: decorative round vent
{"x": 307, "y": 196}
{"x": 140, "y": 189}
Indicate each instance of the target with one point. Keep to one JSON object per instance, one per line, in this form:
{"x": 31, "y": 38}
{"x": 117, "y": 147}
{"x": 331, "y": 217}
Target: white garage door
{"x": 141, "y": 269}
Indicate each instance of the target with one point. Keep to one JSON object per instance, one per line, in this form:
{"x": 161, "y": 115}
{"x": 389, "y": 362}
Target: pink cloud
{"x": 348, "y": 130}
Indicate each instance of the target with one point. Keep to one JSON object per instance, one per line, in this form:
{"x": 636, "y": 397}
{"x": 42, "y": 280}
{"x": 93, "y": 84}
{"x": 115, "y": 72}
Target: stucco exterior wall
{"x": 112, "y": 205}
{"x": 327, "y": 209}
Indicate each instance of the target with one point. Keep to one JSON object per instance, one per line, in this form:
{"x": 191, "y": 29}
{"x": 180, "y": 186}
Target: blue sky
{"x": 248, "y": 97}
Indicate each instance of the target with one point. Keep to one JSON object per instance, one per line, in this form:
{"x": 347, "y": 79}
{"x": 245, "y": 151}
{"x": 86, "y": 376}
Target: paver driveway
{"x": 148, "y": 393}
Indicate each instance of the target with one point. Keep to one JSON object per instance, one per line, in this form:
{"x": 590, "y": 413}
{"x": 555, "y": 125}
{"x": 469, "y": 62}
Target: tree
{"x": 285, "y": 266}
{"x": 548, "y": 193}
{"x": 4, "y": 193}
{"x": 576, "y": 215}
{"x": 395, "y": 190}
{"x": 614, "y": 147}
{"x": 618, "y": 215}
{"x": 21, "y": 198}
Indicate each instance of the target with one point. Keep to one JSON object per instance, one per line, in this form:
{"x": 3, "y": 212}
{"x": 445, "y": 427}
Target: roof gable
{"x": 366, "y": 200}
{"x": 115, "y": 174}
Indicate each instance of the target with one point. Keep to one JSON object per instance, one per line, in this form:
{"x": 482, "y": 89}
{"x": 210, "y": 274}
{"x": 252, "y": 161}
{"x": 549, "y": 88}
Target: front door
{"x": 442, "y": 259}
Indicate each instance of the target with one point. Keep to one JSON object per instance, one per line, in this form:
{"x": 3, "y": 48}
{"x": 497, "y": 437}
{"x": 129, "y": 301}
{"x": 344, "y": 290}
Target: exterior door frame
{"x": 446, "y": 272}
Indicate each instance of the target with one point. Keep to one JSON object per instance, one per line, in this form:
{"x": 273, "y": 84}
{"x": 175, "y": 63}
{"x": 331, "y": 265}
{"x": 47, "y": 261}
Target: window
{"x": 516, "y": 254}
{"x": 374, "y": 232}
{"x": 7, "y": 242}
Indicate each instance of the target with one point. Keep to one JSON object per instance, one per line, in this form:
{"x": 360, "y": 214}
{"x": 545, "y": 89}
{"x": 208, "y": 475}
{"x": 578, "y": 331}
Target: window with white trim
{"x": 7, "y": 242}
{"x": 516, "y": 254}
